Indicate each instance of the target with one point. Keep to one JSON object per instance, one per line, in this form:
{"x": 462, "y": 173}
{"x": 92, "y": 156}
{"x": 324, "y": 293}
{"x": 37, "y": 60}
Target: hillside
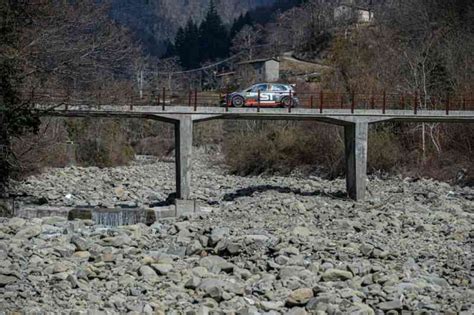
{"x": 155, "y": 21}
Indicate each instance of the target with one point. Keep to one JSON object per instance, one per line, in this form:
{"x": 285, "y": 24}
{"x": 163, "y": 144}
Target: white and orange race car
{"x": 263, "y": 94}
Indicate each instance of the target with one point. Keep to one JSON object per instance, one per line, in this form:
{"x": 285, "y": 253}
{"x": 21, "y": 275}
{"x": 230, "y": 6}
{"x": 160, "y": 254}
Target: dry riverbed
{"x": 271, "y": 245}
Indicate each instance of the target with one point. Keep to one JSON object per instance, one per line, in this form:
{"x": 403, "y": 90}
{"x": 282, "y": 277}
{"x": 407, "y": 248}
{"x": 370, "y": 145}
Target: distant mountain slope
{"x": 155, "y": 21}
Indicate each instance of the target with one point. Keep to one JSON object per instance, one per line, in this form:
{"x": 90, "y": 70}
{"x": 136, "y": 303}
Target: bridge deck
{"x": 204, "y": 113}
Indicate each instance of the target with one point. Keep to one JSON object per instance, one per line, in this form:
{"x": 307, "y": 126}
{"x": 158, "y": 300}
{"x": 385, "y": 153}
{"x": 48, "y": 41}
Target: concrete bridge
{"x": 354, "y": 121}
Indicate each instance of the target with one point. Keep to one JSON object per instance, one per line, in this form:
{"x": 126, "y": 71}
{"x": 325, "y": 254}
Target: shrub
{"x": 100, "y": 142}
{"x": 281, "y": 147}
{"x": 384, "y": 150}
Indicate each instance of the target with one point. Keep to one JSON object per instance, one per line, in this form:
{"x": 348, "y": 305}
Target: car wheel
{"x": 286, "y": 102}
{"x": 238, "y": 101}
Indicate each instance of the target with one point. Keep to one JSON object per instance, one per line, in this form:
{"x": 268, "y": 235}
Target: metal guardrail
{"x": 321, "y": 100}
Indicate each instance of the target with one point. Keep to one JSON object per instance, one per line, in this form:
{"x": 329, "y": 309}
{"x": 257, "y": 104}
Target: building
{"x": 349, "y": 11}
{"x": 259, "y": 70}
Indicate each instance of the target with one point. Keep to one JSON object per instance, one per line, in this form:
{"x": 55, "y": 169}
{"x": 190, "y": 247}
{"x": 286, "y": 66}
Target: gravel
{"x": 267, "y": 245}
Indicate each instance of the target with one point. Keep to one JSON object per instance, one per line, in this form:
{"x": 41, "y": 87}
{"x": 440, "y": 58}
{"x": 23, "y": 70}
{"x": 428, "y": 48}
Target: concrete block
{"x": 30, "y": 212}
{"x": 184, "y": 207}
{"x": 164, "y": 213}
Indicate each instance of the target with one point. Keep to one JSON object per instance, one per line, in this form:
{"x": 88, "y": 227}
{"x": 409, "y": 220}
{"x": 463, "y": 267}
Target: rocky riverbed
{"x": 270, "y": 245}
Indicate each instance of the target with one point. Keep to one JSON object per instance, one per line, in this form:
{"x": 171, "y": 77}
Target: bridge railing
{"x": 321, "y": 100}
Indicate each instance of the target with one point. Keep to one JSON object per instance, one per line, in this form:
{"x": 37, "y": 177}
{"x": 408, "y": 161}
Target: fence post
{"x": 311, "y": 101}
{"x": 463, "y": 102}
{"x": 372, "y": 102}
{"x": 402, "y": 102}
{"x": 226, "y": 100}
{"x": 353, "y": 102}
{"x": 164, "y": 100}
{"x": 258, "y": 101}
{"x": 131, "y": 102}
{"x": 447, "y": 103}
{"x": 321, "y": 101}
{"x": 384, "y": 102}
{"x": 415, "y": 108}
{"x": 67, "y": 101}
{"x": 195, "y": 99}
{"x": 291, "y": 103}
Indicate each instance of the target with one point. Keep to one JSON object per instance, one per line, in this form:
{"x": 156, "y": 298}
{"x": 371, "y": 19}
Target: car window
{"x": 260, "y": 87}
{"x": 279, "y": 88}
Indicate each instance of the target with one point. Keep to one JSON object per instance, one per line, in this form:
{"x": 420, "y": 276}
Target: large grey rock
{"x": 29, "y": 231}
{"x": 16, "y": 223}
{"x": 300, "y": 297}
{"x": 193, "y": 248}
{"x": 162, "y": 269}
{"x": 213, "y": 288}
{"x": 6, "y": 280}
{"x": 337, "y": 275}
{"x": 81, "y": 243}
{"x": 218, "y": 234}
{"x": 390, "y": 305}
{"x": 148, "y": 274}
{"x": 216, "y": 264}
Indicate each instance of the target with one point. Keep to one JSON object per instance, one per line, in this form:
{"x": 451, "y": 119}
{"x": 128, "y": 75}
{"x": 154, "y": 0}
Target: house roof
{"x": 223, "y": 74}
{"x": 356, "y": 7}
{"x": 257, "y": 61}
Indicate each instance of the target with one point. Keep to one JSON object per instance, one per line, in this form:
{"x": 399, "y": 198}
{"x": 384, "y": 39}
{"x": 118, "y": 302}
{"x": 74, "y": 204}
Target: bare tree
{"x": 246, "y": 40}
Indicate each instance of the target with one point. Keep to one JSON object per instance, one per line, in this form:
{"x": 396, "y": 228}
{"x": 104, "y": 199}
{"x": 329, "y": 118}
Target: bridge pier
{"x": 356, "y": 137}
{"x": 183, "y": 150}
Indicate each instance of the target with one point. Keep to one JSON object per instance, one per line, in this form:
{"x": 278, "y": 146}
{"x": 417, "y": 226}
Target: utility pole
{"x": 140, "y": 82}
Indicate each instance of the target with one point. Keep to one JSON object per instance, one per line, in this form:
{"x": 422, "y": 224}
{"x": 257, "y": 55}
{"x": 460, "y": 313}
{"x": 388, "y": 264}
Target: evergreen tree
{"x": 180, "y": 44}
{"x": 170, "y": 49}
{"x": 214, "y": 40}
{"x": 192, "y": 55}
{"x": 239, "y": 23}
{"x": 187, "y": 45}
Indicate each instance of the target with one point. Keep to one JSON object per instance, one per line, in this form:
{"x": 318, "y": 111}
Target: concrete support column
{"x": 356, "y": 136}
{"x": 183, "y": 148}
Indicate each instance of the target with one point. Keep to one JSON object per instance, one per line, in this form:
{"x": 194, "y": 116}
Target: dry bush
{"x": 100, "y": 142}
{"x": 46, "y": 149}
{"x": 451, "y": 161}
{"x": 384, "y": 150}
{"x": 270, "y": 147}
{"x": 158, "y": 146}
{"x": 62, "y": 142}
{"x": 208, "y": 133}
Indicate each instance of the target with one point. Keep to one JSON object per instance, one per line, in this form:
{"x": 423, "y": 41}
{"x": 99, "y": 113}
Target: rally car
{"x": 270, "y": 94}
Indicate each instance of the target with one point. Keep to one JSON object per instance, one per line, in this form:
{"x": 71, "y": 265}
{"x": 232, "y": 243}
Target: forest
{"x": 81, "y": 48}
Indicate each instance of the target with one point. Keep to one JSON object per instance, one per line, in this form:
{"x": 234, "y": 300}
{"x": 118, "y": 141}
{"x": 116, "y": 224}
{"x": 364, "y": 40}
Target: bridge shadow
{"x": 249, "y": 191}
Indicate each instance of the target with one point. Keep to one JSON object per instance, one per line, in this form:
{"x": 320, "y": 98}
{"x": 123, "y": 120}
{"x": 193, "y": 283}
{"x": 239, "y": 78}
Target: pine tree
{"x": 187, "y": 45}
{"x": 170, "y": 49}
{"x": 192, "y": 56}
{"x": 214, "y": 40}
{"x": 239, "y": 23}
{"x": 180, "y": 45}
